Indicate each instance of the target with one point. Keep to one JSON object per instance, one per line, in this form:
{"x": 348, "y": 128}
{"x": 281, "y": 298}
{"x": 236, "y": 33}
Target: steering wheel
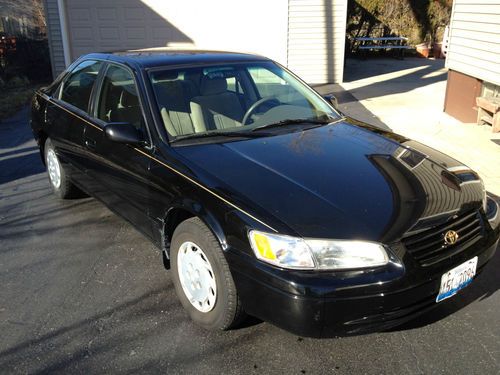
{"x": 254, "y": 106}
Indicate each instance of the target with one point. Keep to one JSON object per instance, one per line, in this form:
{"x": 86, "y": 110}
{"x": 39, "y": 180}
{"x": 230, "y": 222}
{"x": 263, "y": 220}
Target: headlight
{"x": 347, "y": 254}
{"x": 283, "y": 251}
{"x": 308, "y": 253}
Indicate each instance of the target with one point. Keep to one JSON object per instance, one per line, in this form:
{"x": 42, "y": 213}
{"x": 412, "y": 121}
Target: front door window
{"x": 119, "y": 100}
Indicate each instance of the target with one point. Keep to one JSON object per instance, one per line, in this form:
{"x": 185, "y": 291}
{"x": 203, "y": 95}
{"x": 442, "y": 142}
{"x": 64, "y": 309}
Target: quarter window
{"x": 77, "y": 87}
{"x": 119, "y": 101}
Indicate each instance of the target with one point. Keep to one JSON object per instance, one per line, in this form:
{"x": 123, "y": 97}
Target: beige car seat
{"x": 174, "y": 97}
{"x": 215, "y": 107}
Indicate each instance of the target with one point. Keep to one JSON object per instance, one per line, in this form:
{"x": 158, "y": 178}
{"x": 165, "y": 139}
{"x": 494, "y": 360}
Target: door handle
{"x": 90, "y": 143}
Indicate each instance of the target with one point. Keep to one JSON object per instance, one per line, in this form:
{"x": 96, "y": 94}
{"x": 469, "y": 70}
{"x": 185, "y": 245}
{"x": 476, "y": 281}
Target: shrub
{"x": 18, "y": 81}
{"x": 14, "y": 100}
{"x": 419, "y": 20}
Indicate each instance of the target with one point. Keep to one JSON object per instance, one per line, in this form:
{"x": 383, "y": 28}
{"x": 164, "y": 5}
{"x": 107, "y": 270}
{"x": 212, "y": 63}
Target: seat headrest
{"x": 128, "y": 98}
{"x": 213, "y": 86}
{"x": 167, "y": 75}
{"x": 86, "y": 79}
{"x": 118, "y": 75}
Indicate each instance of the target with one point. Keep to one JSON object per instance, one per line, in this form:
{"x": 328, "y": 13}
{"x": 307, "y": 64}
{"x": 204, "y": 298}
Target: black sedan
{"x": 263, "y": 198}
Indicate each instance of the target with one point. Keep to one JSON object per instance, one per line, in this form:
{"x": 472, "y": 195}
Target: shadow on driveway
{"x": 416, "y": 73}
{"x": 350, "y": 106}
{"x": 19, "y": 155}
{"x": 21, "y": 163}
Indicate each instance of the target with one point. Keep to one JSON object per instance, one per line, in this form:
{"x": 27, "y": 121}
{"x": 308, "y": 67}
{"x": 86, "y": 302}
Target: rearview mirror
{"x": 332, "y": 99}
{"x": 123, "y": 132}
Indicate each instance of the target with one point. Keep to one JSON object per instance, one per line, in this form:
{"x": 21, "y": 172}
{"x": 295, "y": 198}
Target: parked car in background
{"x": 263, "y": 198}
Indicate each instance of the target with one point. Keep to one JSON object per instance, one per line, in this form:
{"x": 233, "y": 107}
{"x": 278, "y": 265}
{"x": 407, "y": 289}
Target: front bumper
{"x": 327, "y": 304}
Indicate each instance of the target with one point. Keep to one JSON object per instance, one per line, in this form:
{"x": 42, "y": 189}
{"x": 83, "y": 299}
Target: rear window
{"x": 77, "y": 86}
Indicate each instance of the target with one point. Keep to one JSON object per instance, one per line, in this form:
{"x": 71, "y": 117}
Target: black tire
{"x": 65, "y": 189}
{"x": 227, "y": 311}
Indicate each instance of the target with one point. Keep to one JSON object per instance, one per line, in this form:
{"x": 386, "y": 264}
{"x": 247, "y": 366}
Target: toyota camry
{"x": 263, "y": 198}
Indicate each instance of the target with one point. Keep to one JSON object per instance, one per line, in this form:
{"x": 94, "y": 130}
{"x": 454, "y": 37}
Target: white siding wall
{"x": 55, "y": 36}
{"x": 474, "y": 47}
{"x": 316, "y": 39}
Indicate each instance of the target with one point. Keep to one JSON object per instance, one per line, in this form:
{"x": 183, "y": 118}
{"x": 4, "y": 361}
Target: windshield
{"x": 218, "y": 100}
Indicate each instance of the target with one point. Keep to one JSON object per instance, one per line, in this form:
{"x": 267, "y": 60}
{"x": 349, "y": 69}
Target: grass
{"x": 13, "y": 99}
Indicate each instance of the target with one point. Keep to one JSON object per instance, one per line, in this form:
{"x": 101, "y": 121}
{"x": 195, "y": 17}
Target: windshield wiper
{"x": 240, "y": 134}
{"x": 297, "y": 121}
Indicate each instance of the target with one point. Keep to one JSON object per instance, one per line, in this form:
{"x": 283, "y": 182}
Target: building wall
{"x": 95, "y": 25}
{"x": 461, "y": 93}
{"x": 473, "y": 54}
{"x": 474, "y": 46}
{"x": 257, "y": 26}
{"x": 55, "y": 37}
{"x": 316, "y": 39}
{"x": 311, "y": 43}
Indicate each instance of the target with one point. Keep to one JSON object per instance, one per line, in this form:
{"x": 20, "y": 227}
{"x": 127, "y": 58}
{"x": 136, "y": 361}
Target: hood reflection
{"x": 424, "y": 193}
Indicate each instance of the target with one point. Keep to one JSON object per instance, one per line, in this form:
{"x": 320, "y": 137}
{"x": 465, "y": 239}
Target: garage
{"x": 306, "y": 36}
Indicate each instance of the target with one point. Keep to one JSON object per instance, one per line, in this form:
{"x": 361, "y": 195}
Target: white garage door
{"x": 99, "y": 26}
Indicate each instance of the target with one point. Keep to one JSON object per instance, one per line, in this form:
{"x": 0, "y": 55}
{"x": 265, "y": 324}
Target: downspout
{"x": 64, "y": 31}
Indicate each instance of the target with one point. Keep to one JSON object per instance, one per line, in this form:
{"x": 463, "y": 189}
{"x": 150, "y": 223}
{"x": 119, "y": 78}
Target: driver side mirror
{"x": 332, "y": 99}
{"x": 123, "y": 132}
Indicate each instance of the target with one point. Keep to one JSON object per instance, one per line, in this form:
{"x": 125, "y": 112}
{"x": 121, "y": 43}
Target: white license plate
{"x": 456, "y": 279}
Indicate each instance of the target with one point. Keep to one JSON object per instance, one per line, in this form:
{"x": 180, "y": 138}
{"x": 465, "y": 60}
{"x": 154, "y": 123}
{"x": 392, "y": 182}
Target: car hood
{"x": 339, "y": 181}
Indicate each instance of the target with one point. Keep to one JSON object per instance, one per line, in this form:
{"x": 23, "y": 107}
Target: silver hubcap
{"x": 53, "y": 168}
{"x": 197, "y": 277}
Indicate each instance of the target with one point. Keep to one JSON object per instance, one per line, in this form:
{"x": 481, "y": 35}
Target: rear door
{"x": 121, "y": 171}
{"x": 67, "y": 114}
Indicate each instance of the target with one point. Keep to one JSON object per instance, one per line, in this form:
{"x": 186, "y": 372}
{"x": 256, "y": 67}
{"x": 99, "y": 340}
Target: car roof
{"x": 155, "y": 57}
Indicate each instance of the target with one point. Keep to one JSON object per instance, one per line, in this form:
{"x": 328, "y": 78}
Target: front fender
{"x": 182, "y": 208}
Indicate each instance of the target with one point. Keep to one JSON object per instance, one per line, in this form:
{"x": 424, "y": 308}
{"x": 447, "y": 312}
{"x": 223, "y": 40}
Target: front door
{"x": 120, "y": 170}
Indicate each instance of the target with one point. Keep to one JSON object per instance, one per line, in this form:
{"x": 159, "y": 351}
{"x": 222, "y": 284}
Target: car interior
{"x": 199, "y": 100}
{"x": 119, "y": 101}
{"x": 216, "y": 107}
{"x": 76, "y": 89}
{"x": 193, "y": 102}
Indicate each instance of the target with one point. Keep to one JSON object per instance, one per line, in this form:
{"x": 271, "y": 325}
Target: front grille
{"x": 428, "y": 247}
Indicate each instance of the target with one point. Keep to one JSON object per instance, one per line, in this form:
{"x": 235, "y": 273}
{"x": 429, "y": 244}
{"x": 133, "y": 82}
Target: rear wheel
{"x": 58, "y": 177}
{"x": 202, "y": 278}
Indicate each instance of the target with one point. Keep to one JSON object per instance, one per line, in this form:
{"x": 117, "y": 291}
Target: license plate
{"x": 456, "y": 279}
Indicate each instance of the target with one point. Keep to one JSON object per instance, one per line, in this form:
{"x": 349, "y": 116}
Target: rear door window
{"x": 77, "y": 87}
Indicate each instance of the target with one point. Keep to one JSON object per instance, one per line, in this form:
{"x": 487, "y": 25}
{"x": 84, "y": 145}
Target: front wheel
{"x": 202, "y": 278}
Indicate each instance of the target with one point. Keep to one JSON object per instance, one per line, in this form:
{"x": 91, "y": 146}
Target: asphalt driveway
{"x": 83, "y": 292}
